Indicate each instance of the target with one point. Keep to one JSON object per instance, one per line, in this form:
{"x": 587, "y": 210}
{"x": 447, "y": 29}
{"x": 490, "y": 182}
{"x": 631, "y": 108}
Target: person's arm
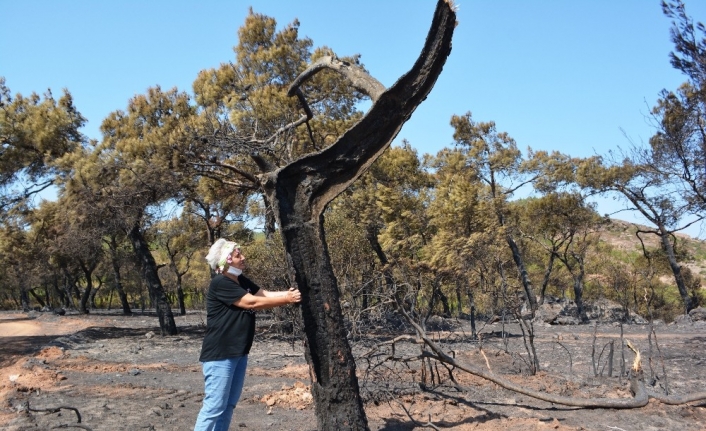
{"x": 270, "y": 294}
{"x": 262, "y": 299}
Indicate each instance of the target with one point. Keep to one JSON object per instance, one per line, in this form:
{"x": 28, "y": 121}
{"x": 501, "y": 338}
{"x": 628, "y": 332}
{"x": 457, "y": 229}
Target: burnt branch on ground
{"x": 58, "y": 410}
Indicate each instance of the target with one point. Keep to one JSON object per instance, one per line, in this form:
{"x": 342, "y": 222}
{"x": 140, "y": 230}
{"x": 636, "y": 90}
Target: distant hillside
{"x": 621, "y": 234}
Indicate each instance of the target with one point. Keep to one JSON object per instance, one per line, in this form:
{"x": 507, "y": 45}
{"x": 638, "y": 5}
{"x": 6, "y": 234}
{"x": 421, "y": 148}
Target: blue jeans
{"x": 224, "y": 383}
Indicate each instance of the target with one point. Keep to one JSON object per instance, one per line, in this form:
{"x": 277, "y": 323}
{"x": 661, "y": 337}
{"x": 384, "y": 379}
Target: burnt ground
{"x": 118, "y": 373}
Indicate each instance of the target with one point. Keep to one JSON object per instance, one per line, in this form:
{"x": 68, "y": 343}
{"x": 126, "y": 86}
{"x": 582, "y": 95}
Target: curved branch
{"x": 56, "y": 410}
{"x": 358, "y": 77}
{"x": 320, "y": 177}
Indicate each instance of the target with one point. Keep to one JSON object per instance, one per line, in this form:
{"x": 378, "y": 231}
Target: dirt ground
{"x": 118, "y": 373}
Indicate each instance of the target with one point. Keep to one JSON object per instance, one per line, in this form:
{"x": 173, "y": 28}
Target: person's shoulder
{"x": 247, "y": 283}
{"x": 217, "y": 278}
{"x": 221, "y": 280}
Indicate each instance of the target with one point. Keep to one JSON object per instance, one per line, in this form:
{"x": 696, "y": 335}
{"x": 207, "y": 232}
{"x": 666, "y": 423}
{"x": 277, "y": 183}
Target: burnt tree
{"x": 300, "y": 192}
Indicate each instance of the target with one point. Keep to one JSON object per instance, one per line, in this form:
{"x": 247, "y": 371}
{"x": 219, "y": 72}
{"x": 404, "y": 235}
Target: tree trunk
{"x": 547, "y": 275}
{"x": 578, "y": 296}
{"x": 299, "y": 194}
{"x": 676, "y": 270}
{"x": 36, "y": 297}
{"x": 180, "y": 296}
{"x": 68, "y": 284}
{"x": 459, "y": 299}
{"x": 443, "y": 299}
{"x": 154, "y": 284}
{"x": 24, "y": 299}
{"x": 92, "y": 297}
{"x": 82, "y": 305}
{"x": 371, "y": 234}
{"x": 118, "y": 279}
{"x": 59, "y": 293}
{"x": 524, "y": 275}
{"x": 335, "y": 386}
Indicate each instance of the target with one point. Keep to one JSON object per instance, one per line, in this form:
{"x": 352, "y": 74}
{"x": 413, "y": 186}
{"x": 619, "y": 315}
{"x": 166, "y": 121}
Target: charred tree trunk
{"x": 86, "y": 294}
{"x": 578, "y": 295}
{"x": 24, "y": 298}
{"x": 676, "y": 270}
{"x": 444, "y": 301}
{"x": 547, "y": 276}
{"x": 68, "y": 285}
{"x": 113, "y": 246}
{"x": 154, "y": 284}
{"x": 300, "y": 192}
{"x": 371, "y": 234}
{"x": 39, "y": 300}
{"x": 524, "y": 274}
{"x": 180, "y": 296}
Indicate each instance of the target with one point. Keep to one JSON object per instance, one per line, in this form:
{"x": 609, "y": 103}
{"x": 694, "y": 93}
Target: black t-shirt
{"x": 229, "y": 329}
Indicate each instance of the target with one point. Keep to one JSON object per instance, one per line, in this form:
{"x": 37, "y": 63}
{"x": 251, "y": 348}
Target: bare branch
{"x": 358, "y": 77}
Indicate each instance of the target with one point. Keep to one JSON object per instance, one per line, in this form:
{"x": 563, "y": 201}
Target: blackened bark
{"x": 113, "y": 246}
{"x": 180, "y": 296}
{"x": 547, "y": 276}
{"x": 676, "y": 269}
{"x": 578, "y": 298}
{"x": 85, "y": 296}
{"x": 335, "y": 386}
{"x": 299, "y": 194}
{"x": 36, "y": 297}
{"x": 154, "y": 284}
{"x": 524, "y": 275}
{"x": 68, "y": 285}
{"x": 94, "y": 292}
{"x": 24, "y": 299}
{"x": 444, "y": 301}
{"x": 371, "y": 233}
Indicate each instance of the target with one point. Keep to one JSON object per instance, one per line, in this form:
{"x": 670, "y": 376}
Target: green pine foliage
{"x": 440, "y": 234}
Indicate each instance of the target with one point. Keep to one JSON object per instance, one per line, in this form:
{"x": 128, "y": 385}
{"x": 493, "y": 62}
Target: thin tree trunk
{"x": 68, "y": 284}
{"x": 82, "y": 305}
{"x": 472, "y": 305}
{"x": 676, "y": 270}
{"x": 36, "y": 297}
{"x": 149, "y": 273}
{"x": 578, "y": 298}
{"x": 117, "y": 278}
{"x": 24, "y": 299}
{"x": 180, "y": 296}
{"x": 524, "y": 274}
{"x": 547, "y": 275}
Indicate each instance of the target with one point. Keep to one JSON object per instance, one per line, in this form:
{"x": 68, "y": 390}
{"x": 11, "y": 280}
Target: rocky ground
{"x": 117, "y": 373}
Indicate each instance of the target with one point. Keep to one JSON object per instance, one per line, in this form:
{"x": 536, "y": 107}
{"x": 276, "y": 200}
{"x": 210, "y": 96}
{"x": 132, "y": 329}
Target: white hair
{"x": 218, "y": 253}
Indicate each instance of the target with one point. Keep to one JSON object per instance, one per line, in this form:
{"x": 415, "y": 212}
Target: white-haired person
{"x": 231, "y": 303}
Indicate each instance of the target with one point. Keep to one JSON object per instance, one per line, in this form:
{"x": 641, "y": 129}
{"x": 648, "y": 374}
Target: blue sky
{"x": 577, "y": 76}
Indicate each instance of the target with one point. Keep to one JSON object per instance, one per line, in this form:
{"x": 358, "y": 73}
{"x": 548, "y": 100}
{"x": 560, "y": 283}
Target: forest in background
{"x": 479, "y": 229}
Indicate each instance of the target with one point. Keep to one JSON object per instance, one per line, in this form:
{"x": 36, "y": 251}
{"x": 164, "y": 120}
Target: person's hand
{"x": 294, "y": 295}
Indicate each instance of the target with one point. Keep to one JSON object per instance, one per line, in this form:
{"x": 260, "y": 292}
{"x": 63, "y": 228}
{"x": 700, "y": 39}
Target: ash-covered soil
{"x": 118, "y": 373}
